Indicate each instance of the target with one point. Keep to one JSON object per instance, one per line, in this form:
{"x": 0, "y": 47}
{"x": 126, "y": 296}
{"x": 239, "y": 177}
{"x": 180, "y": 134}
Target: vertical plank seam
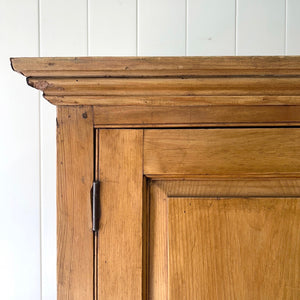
{"x": 137, "y": 28}
{"x": 236, "y": 27}
{"x": 40, "y": 156}
{"x": 285, "y": 29}
{"x": 87, "y": 28}
{"x": 186, "y": 28}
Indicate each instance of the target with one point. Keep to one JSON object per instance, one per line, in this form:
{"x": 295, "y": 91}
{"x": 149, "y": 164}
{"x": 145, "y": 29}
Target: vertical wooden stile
{"x": 120, "y": 254}
{"x": 74, "y": 179}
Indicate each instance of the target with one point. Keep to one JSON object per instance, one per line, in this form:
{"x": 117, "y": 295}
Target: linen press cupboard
{"x": 199, "y": 168}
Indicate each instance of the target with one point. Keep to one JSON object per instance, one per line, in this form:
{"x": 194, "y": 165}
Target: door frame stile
{"x": 75, "y": 170}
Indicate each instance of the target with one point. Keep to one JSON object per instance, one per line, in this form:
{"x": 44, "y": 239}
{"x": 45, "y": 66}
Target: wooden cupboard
{"x": 199, "y": 171}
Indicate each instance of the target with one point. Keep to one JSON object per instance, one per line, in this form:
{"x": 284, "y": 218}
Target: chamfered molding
{"x": 165, "y": 81}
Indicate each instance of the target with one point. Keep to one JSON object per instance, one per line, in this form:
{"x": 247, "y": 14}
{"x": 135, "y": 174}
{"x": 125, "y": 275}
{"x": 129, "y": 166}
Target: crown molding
{"x": 164, "y": 81}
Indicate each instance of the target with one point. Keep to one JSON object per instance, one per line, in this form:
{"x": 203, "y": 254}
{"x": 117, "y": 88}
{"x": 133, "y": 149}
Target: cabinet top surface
{"x": 231, "y": 80}
{"x": 157, "y": 66}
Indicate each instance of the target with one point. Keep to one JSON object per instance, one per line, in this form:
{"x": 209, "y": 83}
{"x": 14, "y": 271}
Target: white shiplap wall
{"x": 92, "y": 27}
{"x": 19, "y": 157}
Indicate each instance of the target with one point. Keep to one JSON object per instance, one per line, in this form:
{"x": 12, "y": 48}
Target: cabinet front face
{"x": 199, "y": 167}
{"x": 199, "y": 213}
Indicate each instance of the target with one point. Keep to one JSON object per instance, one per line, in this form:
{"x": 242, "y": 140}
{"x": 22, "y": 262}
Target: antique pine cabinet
{"x": 198, "y": 160}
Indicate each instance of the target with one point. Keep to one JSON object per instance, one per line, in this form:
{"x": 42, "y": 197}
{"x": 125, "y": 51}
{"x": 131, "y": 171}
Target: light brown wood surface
{"x": 221, "y": 151}
{"x": 225, "y": 187}
{"x": 195, "y": 213}
{"x": 158, "y": 244}
{"x": 162, "y": 191}
{"x": 74, "y": 179}
{"x": 120, "y": 256}
{"x": 152, "y": 100}
{"x": 219, "y": 86}
{"x": 234, "y": 248}
{"x": 196, "y": 116}
{"x": 164, "y": 80}
{"x": 156, "y": 66}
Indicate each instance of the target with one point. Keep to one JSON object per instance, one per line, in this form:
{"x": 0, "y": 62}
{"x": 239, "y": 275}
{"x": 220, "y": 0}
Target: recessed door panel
{"x": 233, "y": 248}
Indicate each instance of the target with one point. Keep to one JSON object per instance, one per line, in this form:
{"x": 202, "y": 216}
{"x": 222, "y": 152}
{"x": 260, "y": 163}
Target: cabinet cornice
{"x": 165, "y": 81}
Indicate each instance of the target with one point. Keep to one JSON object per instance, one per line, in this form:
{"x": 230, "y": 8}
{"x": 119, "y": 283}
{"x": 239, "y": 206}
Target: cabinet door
{"x": 229, "y": 247}
{"x": 199, "y": 214}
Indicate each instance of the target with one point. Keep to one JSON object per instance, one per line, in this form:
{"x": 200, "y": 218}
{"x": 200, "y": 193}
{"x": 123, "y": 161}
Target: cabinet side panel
{"x": 120, "y": 262}
{"x": 62, "y": 32}
{"x": 74, "y": 180}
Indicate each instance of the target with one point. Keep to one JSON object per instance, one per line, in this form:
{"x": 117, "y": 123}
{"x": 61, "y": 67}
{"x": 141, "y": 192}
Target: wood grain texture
{"x": 74, "y": 179}
{"x": 163, "y": 190}
{"x": 197, "y": 116}
{"x": 163, "y": 80}
{"x": 225, "y": 86}
{"x": 221, "y": 151}
{"x": 121, "y": 226}
{"x": 234, "y": 248}
{"x": 226, "y": 187}
{"x": 156, "y": 66}
{"x": 158, "y": 243}
{"x": 172, "y": 100}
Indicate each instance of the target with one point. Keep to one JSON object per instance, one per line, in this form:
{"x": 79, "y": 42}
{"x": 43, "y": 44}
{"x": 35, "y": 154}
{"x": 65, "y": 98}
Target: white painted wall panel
{"x": 19, "y": 157}
{"x": 260, "y": 27}
{"x": 210, "y": 27}
{"x": 112, "y": 28}
{"x": 293, "y": 27}
{"x": 63, "y": 27}
{"x": 161, "y": 27}
{"x": 63, "y": 30}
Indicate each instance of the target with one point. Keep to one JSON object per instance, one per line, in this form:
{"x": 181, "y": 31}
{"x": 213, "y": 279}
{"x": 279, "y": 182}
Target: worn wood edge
{"x": 220, "y": 86}
{"x": 171, "y": 81}
{"x": 130, "y": 66}
{"x": 73, "y": 218}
